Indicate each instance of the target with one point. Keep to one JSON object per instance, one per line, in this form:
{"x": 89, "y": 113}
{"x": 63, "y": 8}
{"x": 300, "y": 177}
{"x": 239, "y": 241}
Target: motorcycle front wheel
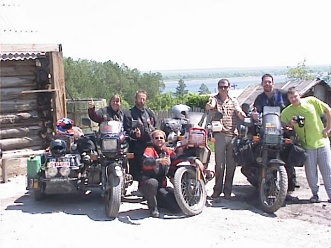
{"x": 113, "y": 196}
{"x": 273, "y": 188}
{"x": 190, "y": 193}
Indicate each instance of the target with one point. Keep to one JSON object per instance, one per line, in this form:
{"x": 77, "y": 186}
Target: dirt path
{"x": 76, "y": 220}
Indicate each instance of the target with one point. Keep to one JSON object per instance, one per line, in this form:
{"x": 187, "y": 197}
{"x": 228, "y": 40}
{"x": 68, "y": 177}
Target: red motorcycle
{"x": 191, "y": 173}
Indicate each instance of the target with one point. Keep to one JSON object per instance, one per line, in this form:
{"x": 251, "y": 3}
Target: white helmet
{"x": 180, "y": 111}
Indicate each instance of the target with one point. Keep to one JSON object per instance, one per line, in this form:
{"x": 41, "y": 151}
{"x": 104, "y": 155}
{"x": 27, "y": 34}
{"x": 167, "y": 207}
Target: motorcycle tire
{"x": 190, "y": 193}
{"x": 273, "y": 188}
{"x": 113, "y": 196}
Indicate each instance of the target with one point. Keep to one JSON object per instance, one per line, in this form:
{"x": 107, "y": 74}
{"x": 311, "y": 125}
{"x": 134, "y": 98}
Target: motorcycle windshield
{"x": 107, "y": 127}
{"x": 194, "y": 118}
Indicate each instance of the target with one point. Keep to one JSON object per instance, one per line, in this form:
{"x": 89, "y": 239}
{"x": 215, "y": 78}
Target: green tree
{"x": 163, "y": 101}
{"x": 300, "y": 73}
{"x": 195, "y": 100}
{"x": 181, "y": 90}
{"x": 203, "y": 90}
{"x": 86, "y": 78}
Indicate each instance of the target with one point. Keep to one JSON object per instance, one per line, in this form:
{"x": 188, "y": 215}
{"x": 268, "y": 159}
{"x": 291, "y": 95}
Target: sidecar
{"x": 54, "y": 172}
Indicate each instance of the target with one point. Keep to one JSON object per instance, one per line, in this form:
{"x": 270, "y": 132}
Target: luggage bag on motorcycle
{"x": 243, "y": 152}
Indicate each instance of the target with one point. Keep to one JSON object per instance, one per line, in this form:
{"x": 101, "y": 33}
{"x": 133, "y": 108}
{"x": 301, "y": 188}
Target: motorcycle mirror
{"x": 245, "y": 107}
{"x": 86, "y": 122}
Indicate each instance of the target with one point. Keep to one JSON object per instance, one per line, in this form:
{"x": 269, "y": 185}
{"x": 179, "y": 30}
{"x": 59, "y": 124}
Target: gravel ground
{"x": 79, "y": 220}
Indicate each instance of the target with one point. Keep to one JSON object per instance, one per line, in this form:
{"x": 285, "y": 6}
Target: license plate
{"x": 59, "y": 164}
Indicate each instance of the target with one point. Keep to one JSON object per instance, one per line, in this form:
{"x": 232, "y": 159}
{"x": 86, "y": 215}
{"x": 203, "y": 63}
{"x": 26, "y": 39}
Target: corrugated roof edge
{"x": 21, "y": 56}
{"x": 26, "y": 51}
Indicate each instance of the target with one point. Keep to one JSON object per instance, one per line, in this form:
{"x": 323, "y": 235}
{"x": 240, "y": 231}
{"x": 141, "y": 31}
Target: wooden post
{"x": 58, "y": 84}
{"x": 5, "y": 164}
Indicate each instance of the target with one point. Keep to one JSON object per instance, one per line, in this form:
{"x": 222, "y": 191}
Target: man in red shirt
{"x": 155, "y": 167}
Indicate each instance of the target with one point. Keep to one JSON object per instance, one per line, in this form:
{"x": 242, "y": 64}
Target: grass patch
{"x": 211, "y": 146}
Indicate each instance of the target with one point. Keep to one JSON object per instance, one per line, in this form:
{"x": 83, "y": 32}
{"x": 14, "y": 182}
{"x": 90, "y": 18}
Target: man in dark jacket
{"x": 112, "y": 112}
{"x": 270, "y": 96}
{"x": 274, "y": 97}
{"x": 139, "y": 123}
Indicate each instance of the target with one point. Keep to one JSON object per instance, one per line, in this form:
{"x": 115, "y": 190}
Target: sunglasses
{"x": 159, "y": 138}
{"x": 223, "y": 87}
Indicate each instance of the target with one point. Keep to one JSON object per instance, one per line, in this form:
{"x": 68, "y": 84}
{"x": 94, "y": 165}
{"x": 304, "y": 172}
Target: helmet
{"x": 58, "y": 147}
{"x": 62, "y": 131}
{"x": 66, "y": 123}
{"x": 180, "y": 111}
{"x": 64, "y": 126}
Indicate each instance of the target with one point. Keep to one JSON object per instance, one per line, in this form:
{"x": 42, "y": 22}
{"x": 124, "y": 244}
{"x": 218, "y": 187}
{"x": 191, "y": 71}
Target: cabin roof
{"x": 252, "y": 91}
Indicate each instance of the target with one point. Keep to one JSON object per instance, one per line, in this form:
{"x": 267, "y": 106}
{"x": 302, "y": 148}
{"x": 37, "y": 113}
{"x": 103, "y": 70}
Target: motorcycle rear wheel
{"x": 190, "y": 193}
{"x": 113, "y": 196}
{"x": 273, "y": 188}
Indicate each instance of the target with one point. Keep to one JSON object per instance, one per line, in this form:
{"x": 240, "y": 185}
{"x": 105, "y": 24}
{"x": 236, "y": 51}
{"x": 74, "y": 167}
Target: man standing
{"x": 111, "y": 112}
{"x": 274, "y": 97}
{"x": 140, "y": 132}
{"x": 224, "y": 139}
{"x": 313, "y": 137}
{"x": 270, "y": 96}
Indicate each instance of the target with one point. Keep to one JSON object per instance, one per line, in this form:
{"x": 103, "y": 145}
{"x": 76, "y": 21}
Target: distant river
{"x": 211, "y": 83}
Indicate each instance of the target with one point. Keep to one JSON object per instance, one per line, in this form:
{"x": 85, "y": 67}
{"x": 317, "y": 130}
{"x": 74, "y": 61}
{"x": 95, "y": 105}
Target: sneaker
{"x": 314, "y": 199}
{"x": 227, "y": 196}
{"x": 215, "y": 194}
{"x": 155, "y": 212}
{"x": 291, "y": 198}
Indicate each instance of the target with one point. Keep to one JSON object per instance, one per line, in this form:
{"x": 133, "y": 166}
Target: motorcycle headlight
{"x": 65, "y": 171}
{"x": 109, "y": 144}
{"x": 51, "y": 172}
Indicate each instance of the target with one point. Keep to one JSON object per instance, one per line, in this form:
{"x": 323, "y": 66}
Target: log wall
{"x": 32, "y": 99}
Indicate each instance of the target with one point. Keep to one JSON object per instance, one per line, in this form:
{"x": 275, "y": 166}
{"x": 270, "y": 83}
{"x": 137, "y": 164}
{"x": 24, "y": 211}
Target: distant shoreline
{"x": 237, "y": 83}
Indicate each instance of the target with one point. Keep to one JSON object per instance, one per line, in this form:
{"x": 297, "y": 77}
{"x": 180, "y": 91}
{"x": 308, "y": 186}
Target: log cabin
{"x": 32, "y": 95}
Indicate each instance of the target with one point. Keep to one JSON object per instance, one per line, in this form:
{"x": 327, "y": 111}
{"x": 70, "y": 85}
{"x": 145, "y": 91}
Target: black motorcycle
{"x": 113, "y": 158}
{"x": 57, "y": 171}
{"x": 257, "y": 149}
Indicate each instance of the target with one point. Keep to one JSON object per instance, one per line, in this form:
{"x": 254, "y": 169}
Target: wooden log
{"x": 18, "y": 106}
{"x": 23, "y": 152}
{"x": 10, "y": 94}
{"x": 19, "y": 143}
{"x": 18, "y": 70}
{"x": 18, "y": 82}
{"x": 16, "y": 118}
{"x": 19, "y": 132}
{"x": 27, "y": 123}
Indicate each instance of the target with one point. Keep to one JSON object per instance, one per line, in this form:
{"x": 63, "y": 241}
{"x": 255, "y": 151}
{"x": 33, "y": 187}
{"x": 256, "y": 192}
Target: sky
{"x": 152, "y": 35}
